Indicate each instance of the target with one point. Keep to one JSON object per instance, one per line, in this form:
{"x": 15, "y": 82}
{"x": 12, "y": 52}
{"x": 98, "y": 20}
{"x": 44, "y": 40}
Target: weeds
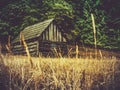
{"x": 22, "y": 39}
{"x": 61, "y": 73}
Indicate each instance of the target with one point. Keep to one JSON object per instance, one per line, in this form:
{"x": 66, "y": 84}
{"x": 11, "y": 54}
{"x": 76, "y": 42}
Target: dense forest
{"x": 73, "y": 15}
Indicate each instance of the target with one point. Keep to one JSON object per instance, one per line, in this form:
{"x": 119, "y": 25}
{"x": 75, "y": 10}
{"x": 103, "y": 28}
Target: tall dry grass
{"x": 95, "y": 34}
{"x": 61, "y": 73}
{"x": 30, "y": 73}
{"x": 23, "y": 42}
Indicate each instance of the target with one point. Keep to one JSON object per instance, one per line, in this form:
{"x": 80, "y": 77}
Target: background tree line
{"x": 73, "y": 15}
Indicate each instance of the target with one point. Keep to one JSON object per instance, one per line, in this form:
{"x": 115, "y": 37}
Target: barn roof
{"x": 34, "y": 31}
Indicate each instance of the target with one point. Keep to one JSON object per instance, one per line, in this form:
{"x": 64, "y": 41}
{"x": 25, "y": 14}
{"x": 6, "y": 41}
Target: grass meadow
{"x": 16, "y": 73}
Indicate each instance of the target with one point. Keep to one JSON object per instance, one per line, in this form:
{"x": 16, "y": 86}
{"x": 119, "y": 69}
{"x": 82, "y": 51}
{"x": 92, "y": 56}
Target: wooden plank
{"x": 59, "y": 36}
{"x": 54, "y": 27}
{"x": 19, "y": 52}
{"x": 46, "y": 32}
{"x": 56, "y": 33}
{"x": 37, "y": 52}
{"x": 32, "y": 46}
{"x": 17, "y": 46}
{"x": 31, "y": 50}
{"x": 52, "y": 38}
{"x": 33, "y": 54}
{"x": 18, "y": 49}
{"x": 28, "y": 44}
{"x": 53, "y": 32}
{"x": 32, "y": 43}
{"x": 50, "y": 33}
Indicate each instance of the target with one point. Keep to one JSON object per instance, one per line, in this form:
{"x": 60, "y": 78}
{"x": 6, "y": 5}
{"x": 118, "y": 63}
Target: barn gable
{"x": 41, "y": 37}
{"x": 53, "y": 33}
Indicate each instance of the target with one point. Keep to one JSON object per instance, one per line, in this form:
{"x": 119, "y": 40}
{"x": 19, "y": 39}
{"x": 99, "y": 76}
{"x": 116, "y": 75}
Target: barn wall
{"x": 49, "y": 39}
{"x": 53, "y": 33}
{"x": 32, "y": 46}
{"x": 52, "y": 39}
{"x": 48, "y": 48}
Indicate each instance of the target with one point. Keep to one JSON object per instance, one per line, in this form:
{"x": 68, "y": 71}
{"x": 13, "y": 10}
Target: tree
{"x": 83, "y": 22}
{"x": 73, "y": 15}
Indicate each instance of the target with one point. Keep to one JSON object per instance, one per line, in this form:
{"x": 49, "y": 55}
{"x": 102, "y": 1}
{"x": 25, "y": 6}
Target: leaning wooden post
{"x": 94, "y": 31}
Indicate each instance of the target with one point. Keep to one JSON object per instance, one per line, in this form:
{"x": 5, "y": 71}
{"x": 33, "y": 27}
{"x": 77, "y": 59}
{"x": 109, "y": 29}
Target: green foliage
{"x": 73, "y": 15}
{"x": 83, "y": 22}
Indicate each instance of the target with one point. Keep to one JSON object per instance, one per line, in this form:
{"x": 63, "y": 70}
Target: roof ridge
{"x": 50, "y": 20}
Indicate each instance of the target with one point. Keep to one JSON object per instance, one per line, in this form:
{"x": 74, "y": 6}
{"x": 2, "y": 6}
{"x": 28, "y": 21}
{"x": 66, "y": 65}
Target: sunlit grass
{"x": 61, "y": 73}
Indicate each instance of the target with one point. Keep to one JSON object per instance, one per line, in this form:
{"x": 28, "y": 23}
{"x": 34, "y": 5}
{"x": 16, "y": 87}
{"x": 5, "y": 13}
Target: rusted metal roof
{"x": 34, "y": 31}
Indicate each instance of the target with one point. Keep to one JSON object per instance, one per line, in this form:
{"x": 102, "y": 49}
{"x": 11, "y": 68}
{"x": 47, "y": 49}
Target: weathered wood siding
{"x": 53, "y": 33}
{"x": 52, "y": 38}
{"x": 42, "y": 37}
{"x": 48, "y": 48}
{"x": 32, "y": 46}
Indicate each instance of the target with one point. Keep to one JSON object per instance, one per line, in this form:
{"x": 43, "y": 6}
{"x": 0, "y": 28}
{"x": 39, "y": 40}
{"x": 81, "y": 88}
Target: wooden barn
{"x": 45, "y": 38}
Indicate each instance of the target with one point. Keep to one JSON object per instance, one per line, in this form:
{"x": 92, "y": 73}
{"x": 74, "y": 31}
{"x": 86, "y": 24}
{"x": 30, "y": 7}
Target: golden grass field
{"x": 16, "y": 73}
